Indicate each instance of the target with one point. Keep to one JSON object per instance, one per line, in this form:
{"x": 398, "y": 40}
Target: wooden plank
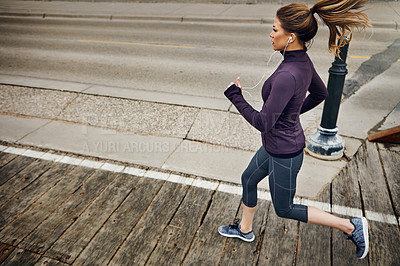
{"x": 5, "y": 251}
{"x": 208, "y": 246}
{"x": 390, "y": 135}
{"x": 279, "y": 243}
{"x": 104, "y": 245}
{"x": 346, "y": 192}
{"x": 376, "y": 198}
{"x": 384, "y": 244}
{"x": 23, "y": 179}
{"x": 345, "y": 188}
{"x": 314, "y": 245}
{"x": 372, "y": 181}
{"x": 52, "y": 228}
{"x": 144, "y": 237}
{"x": 385, "y": 238}
{"x": 238, "y": 252}
{"x": 49, "y": 262}
{"x": 13, "y": 167}
{"x": 391, "y": 164}
{"x": 21, "y": 257}
{"x": 179, "y": 234}
{"x": 44, "y": 206}
{"x": 6, "y": 158}
{"x": 76, "y": 238}
{"x": 21, "y": 201}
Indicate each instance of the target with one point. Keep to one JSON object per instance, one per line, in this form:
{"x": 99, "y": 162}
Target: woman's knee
{"x": 246, "y": 176}
{"x": 284, "y": 213}
{"x": 295, "y": 212}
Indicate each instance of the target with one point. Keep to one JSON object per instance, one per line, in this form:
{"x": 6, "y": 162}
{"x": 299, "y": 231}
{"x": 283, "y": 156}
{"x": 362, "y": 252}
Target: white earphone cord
{"x": 246, "y": 89}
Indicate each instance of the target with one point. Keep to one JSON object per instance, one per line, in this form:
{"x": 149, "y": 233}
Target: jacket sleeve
{"x": 318, "y": 93}
{"x": 282, "y": 91}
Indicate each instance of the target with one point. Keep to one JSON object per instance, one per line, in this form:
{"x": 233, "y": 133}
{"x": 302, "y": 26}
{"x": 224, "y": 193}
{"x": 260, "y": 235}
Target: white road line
{"x": 381, "y": 217}
{"x": 14, "y": 150}
{"x": 71, "y": 160}
{"x": 91, "y": 164}
{"x": 320, "y": 205}
{"x": 48, "y": 156}
{"x": 157, "y": 175}
{"x": 222, "y": 187}
{"x": 265, "y": 195}
{"x": 112, "y": 167}
{"x": 205, "y": 184}
{"x": 236, "y": 190}
{"x": 2, "y": 148}
{"x": 347, "y": 211}
{"x": 33, "y": 154}
{"x": 134, "y": 171}
{"x": 180, "y": 179}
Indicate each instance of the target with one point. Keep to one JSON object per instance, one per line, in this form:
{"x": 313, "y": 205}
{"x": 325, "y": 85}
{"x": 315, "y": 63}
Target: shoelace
{"x": 235, "y": 224}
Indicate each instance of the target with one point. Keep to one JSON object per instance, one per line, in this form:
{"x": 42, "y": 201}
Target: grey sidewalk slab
{"x": 315, "y": 174}
{"x": 43, "y": 83}
{"x": 370, "y": 105}
{"x": 395, "y": 6}
{"x": 65, "y": 7}
{"x": 226, "y": 129}
{"x": 33, "y": 102}
{"x": 129, "y": 115}
{"x": 108, "y": 144}
{"x": 13, "y": 128}
{"x": 201, "y": 10}
{"x": 392, "y": 120}
{"x": 351, "y": 146}
{"x": 264, "y": 11}
{"x": 161, "y": 97}
{"x": 211, "y": 161}
{"x": 227, "y": 164}
{"x": 383, "y": 12}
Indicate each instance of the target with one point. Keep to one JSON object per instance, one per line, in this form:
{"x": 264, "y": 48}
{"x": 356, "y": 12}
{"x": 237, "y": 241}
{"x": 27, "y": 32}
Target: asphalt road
{"x": 185, "y": 58}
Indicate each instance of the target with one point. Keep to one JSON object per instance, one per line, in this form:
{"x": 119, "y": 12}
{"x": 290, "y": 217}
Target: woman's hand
{"x": 237, "y": 83}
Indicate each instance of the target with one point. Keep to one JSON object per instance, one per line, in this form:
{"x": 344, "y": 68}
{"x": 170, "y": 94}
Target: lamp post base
{"x": 325, "y": 144}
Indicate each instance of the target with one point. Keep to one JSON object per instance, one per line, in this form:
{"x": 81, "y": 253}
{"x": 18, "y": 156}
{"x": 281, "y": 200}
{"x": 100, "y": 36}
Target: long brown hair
{"x": 337, "y": 15}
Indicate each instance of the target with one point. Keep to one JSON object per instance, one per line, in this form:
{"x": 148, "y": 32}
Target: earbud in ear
{"x": 291, "y": 38}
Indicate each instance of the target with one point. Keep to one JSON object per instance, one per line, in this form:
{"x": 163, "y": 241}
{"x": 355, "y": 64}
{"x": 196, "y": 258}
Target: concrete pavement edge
{"x": 183, "y": 19}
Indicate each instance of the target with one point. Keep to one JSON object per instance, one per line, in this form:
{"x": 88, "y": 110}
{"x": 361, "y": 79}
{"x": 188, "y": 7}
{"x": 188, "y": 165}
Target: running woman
{"x": 284, "y": 95}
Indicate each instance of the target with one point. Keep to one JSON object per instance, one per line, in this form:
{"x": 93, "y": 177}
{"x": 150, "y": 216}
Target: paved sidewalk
{"x": 382, "y": 14}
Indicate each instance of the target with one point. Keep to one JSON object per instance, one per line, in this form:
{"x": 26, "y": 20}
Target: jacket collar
{"x": 295, "y": 55}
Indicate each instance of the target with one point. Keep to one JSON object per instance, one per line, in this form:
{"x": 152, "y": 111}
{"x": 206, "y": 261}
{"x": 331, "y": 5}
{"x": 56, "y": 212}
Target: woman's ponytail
{"x": 337, "y": 15}
{"x": 341, "y": 20}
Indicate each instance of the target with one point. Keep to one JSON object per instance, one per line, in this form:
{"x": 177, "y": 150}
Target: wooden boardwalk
{"x": 53, "y": 213}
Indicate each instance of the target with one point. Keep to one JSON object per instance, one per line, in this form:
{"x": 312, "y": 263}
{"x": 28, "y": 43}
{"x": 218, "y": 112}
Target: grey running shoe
{"x": 233, "y": 230}
{"x": 360, "y": 236}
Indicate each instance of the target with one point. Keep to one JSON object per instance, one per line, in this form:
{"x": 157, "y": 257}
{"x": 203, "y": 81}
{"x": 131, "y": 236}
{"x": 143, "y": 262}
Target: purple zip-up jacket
{"x": 284, "y": 96}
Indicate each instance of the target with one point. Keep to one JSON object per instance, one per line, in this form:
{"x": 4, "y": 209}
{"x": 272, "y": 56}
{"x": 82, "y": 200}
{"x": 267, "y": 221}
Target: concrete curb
{"x": 385, "y": 24}
{"x": 149, "y": 18}
{"x": 376, "y": 24}
{"x": 210, "y": 103}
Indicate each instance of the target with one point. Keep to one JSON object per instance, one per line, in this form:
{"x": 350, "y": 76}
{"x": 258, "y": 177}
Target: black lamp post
{"x": 326, "y": 143}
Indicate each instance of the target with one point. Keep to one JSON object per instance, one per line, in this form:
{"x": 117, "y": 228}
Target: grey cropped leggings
{"x": 282, "y": 183}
